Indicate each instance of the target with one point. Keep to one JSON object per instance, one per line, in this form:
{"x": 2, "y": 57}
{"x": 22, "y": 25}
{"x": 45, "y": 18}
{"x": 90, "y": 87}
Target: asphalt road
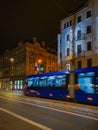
{"x": 28, "y": 113}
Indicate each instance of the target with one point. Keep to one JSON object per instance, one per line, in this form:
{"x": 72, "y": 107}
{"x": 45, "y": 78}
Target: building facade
{"x": 27, "y": 58}
{"x": 78, "y": 40}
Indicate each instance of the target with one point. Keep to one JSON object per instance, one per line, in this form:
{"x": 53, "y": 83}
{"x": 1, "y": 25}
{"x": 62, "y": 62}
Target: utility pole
{"x": 72, "y": 62}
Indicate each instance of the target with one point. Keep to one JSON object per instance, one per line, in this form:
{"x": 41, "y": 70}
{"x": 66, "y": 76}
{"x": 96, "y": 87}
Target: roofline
{"x": 77, "y": 10}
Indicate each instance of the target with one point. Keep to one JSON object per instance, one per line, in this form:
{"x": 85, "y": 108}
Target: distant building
{"x": 78, "y": 40}
{"x": 27, "y": 58}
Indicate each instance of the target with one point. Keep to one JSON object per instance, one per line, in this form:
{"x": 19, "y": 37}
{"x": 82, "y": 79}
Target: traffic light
{"x": 41, "y": 67}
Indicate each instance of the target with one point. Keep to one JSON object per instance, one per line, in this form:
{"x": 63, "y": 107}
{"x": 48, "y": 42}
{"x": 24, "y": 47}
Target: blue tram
{"x": 56, "y": 85}
{"x": 87, "y": 81}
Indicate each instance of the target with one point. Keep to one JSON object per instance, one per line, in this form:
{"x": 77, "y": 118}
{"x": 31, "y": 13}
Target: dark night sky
{"x": 21, "y": 20}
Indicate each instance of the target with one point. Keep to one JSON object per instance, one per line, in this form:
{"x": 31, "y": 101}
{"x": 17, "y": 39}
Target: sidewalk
{"x": 11, "y": 92}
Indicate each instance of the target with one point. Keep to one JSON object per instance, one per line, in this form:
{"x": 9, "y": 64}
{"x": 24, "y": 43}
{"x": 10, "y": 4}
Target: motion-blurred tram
{"x": 58, "y": 85}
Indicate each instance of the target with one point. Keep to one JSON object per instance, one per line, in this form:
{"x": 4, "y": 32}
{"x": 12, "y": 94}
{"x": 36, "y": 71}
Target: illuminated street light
{"x": 39, "y": 61}
{"x": 12, "y": 60}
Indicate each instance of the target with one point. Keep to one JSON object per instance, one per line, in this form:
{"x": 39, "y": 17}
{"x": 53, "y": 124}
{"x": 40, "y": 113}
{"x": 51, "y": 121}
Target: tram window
{"x": 86, "y": 74}
{"x": 30, "y": 82}
{"x": 81, "y": 74}
{"x": 90, "y": 74}
{"x": 60, "y": 81}
{"x": 36, "y": 82}
{"x": 51, "y": 81}
{"x": 42, "y": 82}
{"x": 96, "y": 89}
{"x": 86, "y": 84}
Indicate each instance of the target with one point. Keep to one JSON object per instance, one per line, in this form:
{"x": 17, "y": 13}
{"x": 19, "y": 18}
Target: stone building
{"x": 26, "y": 59}
{"x": 78, "y": 39}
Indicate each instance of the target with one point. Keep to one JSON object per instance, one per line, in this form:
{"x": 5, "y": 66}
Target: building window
{"x": 67, "y": 37}
{"x": 88, "y": 14}
{"x": 89, "y": 62}
{"x": 67, "y": 51}
{"x": 78, "y": 19}
{"x": 88, "y": 46}
{"x": 79, "y": 50}
{"x": 67, "y": 24}
{"x": 88, "y": 29}
{"x": 79, "y": 64}
{"x": 70, "y": 22}
{"x": 64, "y": 25}
{"x": 78, "y": 34}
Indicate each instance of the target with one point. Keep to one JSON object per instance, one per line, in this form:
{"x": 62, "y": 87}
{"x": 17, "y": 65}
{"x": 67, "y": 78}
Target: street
{"x": 20, "y": 112}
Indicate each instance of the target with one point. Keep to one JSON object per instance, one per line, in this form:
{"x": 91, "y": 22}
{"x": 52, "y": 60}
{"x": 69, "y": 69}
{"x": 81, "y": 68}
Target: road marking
{"x": 25, "y": 119}
{"x": 84, "y": 116}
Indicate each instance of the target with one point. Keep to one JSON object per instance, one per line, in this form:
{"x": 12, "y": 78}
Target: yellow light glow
{"x": 39, "y": 61}
{"x": 12, "y": 59}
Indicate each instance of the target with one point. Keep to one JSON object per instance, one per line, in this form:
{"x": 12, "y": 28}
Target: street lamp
{"x": 37, "y": 65}
{"x": 12, "y": 60}
{"x": 39, "y": 61}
